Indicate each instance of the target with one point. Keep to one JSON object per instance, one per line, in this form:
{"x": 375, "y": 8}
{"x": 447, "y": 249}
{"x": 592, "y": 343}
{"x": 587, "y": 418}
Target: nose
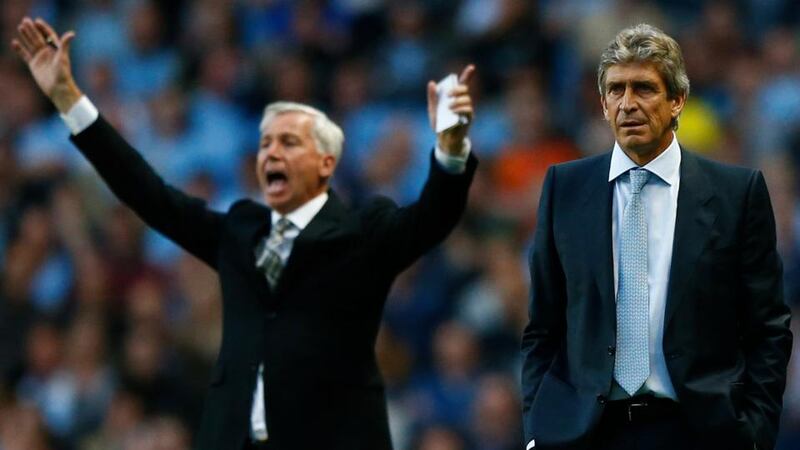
{"x": 627, "y": 103}
{"x": 272, "y": 151}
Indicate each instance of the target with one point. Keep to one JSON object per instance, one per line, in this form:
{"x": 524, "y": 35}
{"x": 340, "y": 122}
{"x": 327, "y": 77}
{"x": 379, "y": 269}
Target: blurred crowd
{"x": 108, "y": 331}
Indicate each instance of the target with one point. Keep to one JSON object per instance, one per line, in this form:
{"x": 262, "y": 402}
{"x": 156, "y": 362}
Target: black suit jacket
{"x": 726, "y": 328}
{"x": 316, "y": 331}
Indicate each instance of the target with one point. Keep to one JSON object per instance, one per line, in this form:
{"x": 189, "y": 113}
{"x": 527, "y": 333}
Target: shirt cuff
{"x": 82, "y": 114}
{"x": 454, "y": 164}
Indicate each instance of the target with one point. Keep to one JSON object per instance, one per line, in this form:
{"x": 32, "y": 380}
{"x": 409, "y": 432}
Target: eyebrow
{"x": 636, "y": 83}
{"x": 645, "y": 83}
{"x": 282, "y": 135}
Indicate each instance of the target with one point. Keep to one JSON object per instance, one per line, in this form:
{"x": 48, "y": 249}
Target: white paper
{"x": 445, "y": 118}
{"x": 258, "y": 420}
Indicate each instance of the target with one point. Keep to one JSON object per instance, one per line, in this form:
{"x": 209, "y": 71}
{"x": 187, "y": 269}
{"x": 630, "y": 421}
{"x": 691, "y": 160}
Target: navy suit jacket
{"x": 315, "y": 332}
{"x": 726, "y": 328}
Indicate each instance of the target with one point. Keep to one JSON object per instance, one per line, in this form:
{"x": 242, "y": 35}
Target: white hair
{"x": 327, "y": 135}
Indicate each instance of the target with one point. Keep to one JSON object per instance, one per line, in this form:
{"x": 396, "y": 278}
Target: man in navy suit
{"x": 656, "y": 312}
{"x": 303, "y": 280}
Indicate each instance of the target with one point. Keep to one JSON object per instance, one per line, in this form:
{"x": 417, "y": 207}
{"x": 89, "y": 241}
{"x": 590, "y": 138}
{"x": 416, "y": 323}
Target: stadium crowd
{"x": 108, "y": 332}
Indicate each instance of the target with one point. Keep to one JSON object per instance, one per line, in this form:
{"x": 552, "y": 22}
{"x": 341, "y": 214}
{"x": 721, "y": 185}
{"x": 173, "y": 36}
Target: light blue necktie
{"x": 632, "y": 365}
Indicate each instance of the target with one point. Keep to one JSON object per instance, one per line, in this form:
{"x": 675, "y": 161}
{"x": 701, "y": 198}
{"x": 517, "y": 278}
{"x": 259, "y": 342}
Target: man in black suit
{"x": 656, "y": 313}
{"x": 303, "y": 281}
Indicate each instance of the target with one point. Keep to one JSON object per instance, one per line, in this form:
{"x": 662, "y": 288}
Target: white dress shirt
{"x": 84, "y": 113}
{"x": 660, "y": 199}
{"x": 300, "y": 218}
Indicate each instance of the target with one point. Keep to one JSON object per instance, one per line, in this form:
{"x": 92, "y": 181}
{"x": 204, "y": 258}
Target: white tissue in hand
{"x": 445, "y": 118}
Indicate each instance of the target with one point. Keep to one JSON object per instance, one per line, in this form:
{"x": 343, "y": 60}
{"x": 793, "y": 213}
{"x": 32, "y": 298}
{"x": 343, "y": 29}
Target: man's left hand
{"x": 452, "y": 139}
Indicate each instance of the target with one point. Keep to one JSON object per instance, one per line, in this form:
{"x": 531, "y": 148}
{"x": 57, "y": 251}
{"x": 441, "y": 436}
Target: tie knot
{"x": 639, "y": 178}
{"x": 282, "y": 225}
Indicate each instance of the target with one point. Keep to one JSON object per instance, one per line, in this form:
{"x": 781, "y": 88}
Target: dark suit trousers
{"x": 665, "y": 429}
{"x": 668, "y": 433}
{"x": 250, "y": 445}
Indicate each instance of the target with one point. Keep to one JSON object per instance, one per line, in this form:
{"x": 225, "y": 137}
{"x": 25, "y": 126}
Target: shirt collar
{"x": 666, "y": 166}
{"x": 303, "y": 215}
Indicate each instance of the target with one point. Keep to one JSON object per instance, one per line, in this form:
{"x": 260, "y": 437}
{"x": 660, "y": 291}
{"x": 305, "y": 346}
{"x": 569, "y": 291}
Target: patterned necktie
{"x": 632, "y": 365}
{"x": 267, "y": 252}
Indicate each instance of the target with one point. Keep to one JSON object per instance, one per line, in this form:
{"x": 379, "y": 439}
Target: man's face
{"x": 636, "y": 104}
{"x": 289, "y": 168}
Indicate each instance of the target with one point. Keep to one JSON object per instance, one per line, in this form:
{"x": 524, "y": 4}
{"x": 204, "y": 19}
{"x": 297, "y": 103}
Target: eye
{"x": 291, "y": 141}
{"x": 646, "y": 88}
{"x": 615, "y": 89}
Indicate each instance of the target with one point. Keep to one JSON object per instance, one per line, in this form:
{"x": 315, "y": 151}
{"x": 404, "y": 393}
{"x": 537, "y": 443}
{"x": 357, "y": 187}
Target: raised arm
{"x": 408, "y": 232}
{"x": 183, "y": 219}
{"x": 47, "y": 56}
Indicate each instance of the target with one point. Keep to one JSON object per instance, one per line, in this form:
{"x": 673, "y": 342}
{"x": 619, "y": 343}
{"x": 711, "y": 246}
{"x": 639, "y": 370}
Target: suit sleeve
{"x": 403, "y": 234}
{"x": 767, "y": 339}
{"x": 543, "y": 335}
{"x": 183, "y": 219}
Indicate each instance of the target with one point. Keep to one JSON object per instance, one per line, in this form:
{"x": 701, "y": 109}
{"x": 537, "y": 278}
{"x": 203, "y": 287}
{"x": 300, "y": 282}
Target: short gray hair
{"x": 327, "y": 135}
{"x": 646, "y": 43}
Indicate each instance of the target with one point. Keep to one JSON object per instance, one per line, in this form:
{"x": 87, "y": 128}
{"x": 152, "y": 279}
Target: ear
{"x": 327, "y": 165}
{"x": 677, "y": 105}
{"x": 605, "y": 107}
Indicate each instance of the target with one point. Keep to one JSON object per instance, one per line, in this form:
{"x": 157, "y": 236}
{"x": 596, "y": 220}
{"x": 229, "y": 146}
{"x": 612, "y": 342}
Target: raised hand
{"x": 47, "y": 57}
{"x": 452, "y": 140}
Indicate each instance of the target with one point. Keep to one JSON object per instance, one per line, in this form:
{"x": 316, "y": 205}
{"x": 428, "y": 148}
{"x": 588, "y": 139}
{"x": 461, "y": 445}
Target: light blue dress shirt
{"x": 660, "y": 198}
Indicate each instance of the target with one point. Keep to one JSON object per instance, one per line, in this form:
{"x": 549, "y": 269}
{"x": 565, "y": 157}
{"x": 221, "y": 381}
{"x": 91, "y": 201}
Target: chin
{"x": 283, "y": 206}
{"x": 273, "y": 202}
{"x": 637, "y": 143}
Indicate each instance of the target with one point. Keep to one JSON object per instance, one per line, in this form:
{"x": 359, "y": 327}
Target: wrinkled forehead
{"x": 645, "y": 71}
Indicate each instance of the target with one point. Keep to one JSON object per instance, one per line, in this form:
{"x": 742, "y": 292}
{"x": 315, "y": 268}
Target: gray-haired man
{"x": 657, "y": 318}
{"x": 303, "y": 281}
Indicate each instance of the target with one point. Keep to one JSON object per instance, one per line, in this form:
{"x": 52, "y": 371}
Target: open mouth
{"x": 277, "y": 181}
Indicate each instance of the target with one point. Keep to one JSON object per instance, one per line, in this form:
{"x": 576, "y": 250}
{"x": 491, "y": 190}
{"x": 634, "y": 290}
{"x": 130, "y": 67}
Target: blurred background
{"x": 108, "y": 331}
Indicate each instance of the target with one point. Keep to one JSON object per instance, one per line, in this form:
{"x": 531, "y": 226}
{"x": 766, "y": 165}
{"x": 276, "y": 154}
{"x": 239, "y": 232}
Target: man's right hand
{"x": 47, "y": 57}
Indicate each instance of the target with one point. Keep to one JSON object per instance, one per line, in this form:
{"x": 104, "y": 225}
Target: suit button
{"x": 611, "y": 350}
{"x": 601, "y": 399}
{"x": 674, "y": 355}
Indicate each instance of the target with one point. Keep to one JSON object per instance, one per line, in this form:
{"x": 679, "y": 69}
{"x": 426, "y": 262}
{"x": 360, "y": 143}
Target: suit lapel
{"x": 327, "y": 225}
{"x": 693, "y": 227}
{"x": 252, "y": 222}
{"x": 596, "y": 228}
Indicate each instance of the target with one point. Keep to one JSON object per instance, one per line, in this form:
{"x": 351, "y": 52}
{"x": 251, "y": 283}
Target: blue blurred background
{"x": 108, "y": 331}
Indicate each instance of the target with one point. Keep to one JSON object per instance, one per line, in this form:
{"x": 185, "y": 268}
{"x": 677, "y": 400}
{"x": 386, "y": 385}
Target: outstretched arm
{"x": 183, "y": 219}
